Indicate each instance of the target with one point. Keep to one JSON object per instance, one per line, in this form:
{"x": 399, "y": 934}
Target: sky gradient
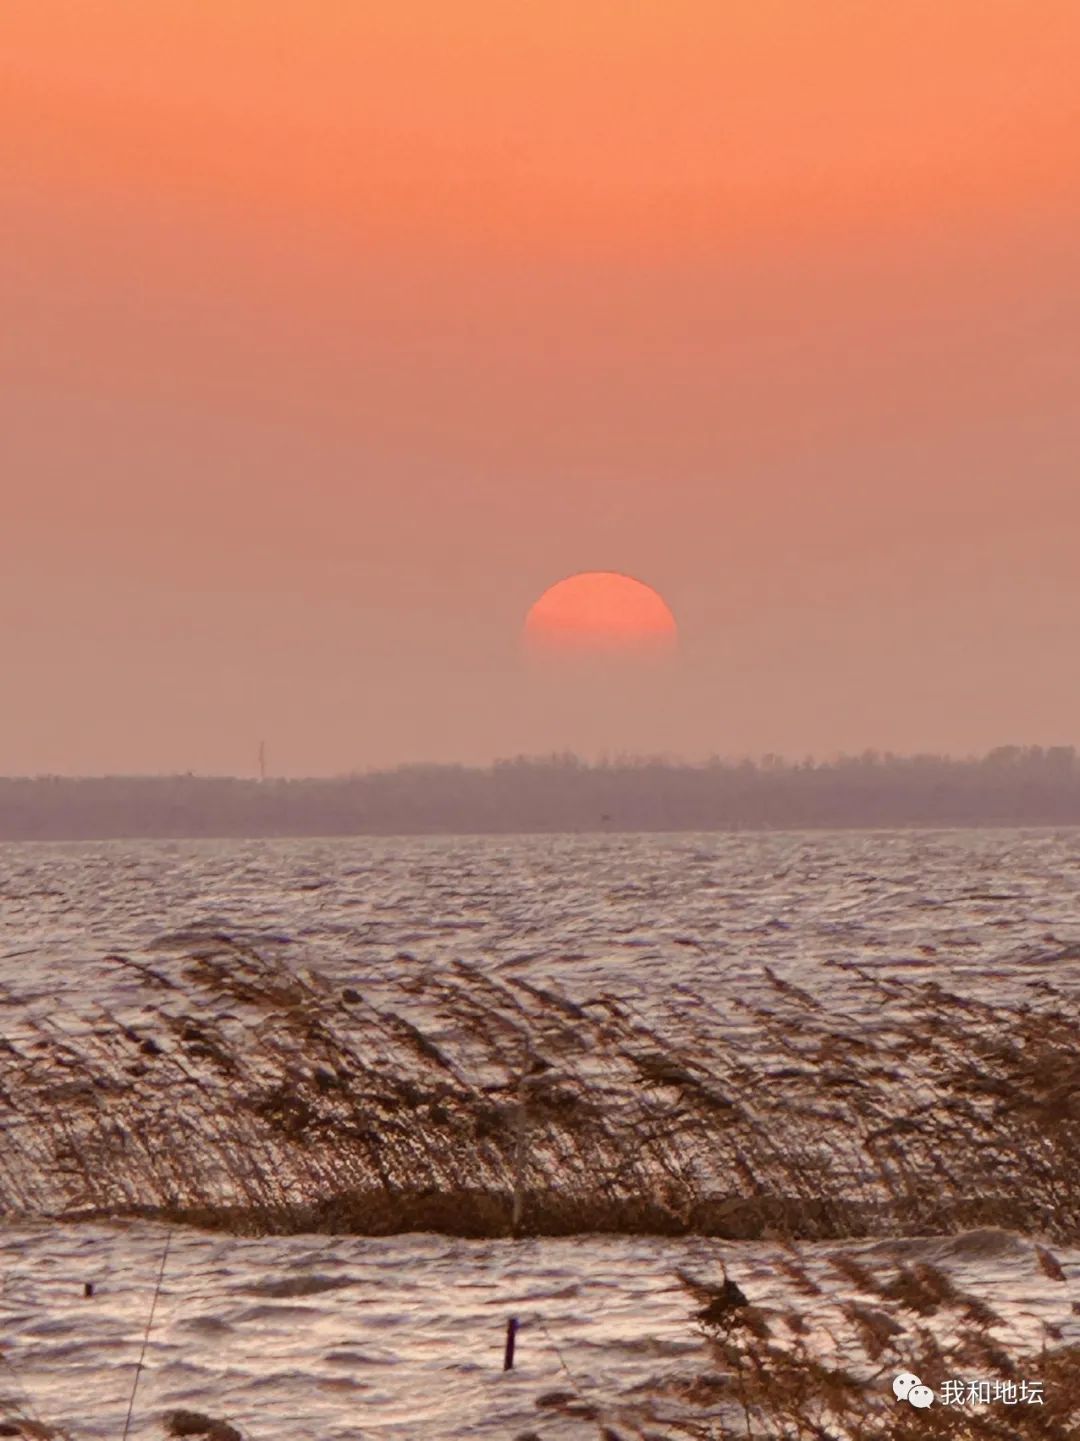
{"x": 333, "y": 335}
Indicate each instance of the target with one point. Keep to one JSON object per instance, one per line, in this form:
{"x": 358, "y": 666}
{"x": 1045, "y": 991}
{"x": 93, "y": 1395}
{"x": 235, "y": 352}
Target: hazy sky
{"x": 332, "y": 333}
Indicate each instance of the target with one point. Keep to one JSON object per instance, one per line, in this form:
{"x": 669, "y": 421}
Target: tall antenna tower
{"x": 262, "y": 760}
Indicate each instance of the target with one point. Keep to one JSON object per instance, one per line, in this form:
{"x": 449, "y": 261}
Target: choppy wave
{"x": 828, "y": 1037}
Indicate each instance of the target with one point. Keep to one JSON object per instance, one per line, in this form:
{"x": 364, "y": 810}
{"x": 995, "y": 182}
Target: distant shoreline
{"x": 237, "y": 837}
{"x": 1008, "y": 787}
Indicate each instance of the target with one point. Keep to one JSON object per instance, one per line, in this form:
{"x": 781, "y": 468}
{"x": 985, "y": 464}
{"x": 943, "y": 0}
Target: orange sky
{"x": 333, "y": 334}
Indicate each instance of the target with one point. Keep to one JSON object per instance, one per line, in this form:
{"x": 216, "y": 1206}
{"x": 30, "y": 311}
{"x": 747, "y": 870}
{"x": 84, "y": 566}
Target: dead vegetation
{"x": 194, "y": 1423}
{"x": 18, "y": 1415}
{"x": 233, "y": 1088}
{"x": 823, "y": 1369}
{"x": 30, "y": 1430}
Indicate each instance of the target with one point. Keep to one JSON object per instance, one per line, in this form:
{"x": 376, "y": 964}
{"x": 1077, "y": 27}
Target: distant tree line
{"x": 1011, "y": 785}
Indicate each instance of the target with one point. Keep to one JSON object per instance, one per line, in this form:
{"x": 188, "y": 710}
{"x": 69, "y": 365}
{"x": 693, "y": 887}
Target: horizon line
{"x": 768, "y": 759}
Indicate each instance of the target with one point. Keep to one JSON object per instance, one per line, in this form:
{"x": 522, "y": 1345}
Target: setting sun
{"x": 600, "y": 610}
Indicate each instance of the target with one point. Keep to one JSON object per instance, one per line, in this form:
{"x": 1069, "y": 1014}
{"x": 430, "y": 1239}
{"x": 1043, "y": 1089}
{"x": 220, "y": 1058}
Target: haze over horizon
{"x": 335, "y": 336}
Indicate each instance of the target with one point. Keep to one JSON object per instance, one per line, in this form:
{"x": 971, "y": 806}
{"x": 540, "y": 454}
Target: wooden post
{"x": 511, "y": 1337}
{"x": 88, "y": 1288}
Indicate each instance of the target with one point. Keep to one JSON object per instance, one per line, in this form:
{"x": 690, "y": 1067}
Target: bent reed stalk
{"x": 256, "y": 1096}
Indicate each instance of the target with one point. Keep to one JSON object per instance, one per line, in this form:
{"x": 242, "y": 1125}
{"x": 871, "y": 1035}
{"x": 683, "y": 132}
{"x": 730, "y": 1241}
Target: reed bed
{"x": 226, "y": 1085}
{"x": 822, "y": 1369}
{"x": 819, "y": 1365}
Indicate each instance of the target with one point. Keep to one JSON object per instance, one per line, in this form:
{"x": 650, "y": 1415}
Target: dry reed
{"x": 236, "y": 1090}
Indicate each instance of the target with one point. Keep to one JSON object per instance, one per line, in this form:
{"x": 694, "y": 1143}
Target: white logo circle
{"x": 903, "y": 1383}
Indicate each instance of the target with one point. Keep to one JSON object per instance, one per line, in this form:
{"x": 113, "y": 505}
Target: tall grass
{"x": 235, "y": 1089}
{"x": 822, "y": 1368}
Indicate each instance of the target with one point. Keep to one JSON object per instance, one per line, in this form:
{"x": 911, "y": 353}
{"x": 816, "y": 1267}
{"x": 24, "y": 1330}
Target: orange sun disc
{"x": 600, "y": 610}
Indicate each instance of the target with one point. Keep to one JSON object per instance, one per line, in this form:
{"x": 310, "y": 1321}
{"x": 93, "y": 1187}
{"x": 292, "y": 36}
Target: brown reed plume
{"x": 236, "y": 1088}
{"x": 822, "y": 1366}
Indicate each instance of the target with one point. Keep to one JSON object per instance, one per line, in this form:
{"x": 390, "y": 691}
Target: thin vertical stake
{"x": 511, "y": 1337}
{"x": 146, "y": 1334}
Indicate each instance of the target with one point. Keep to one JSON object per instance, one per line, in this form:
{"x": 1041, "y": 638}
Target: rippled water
{"x": 402, "y": 1337}
{"x": 986, "y": 899}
